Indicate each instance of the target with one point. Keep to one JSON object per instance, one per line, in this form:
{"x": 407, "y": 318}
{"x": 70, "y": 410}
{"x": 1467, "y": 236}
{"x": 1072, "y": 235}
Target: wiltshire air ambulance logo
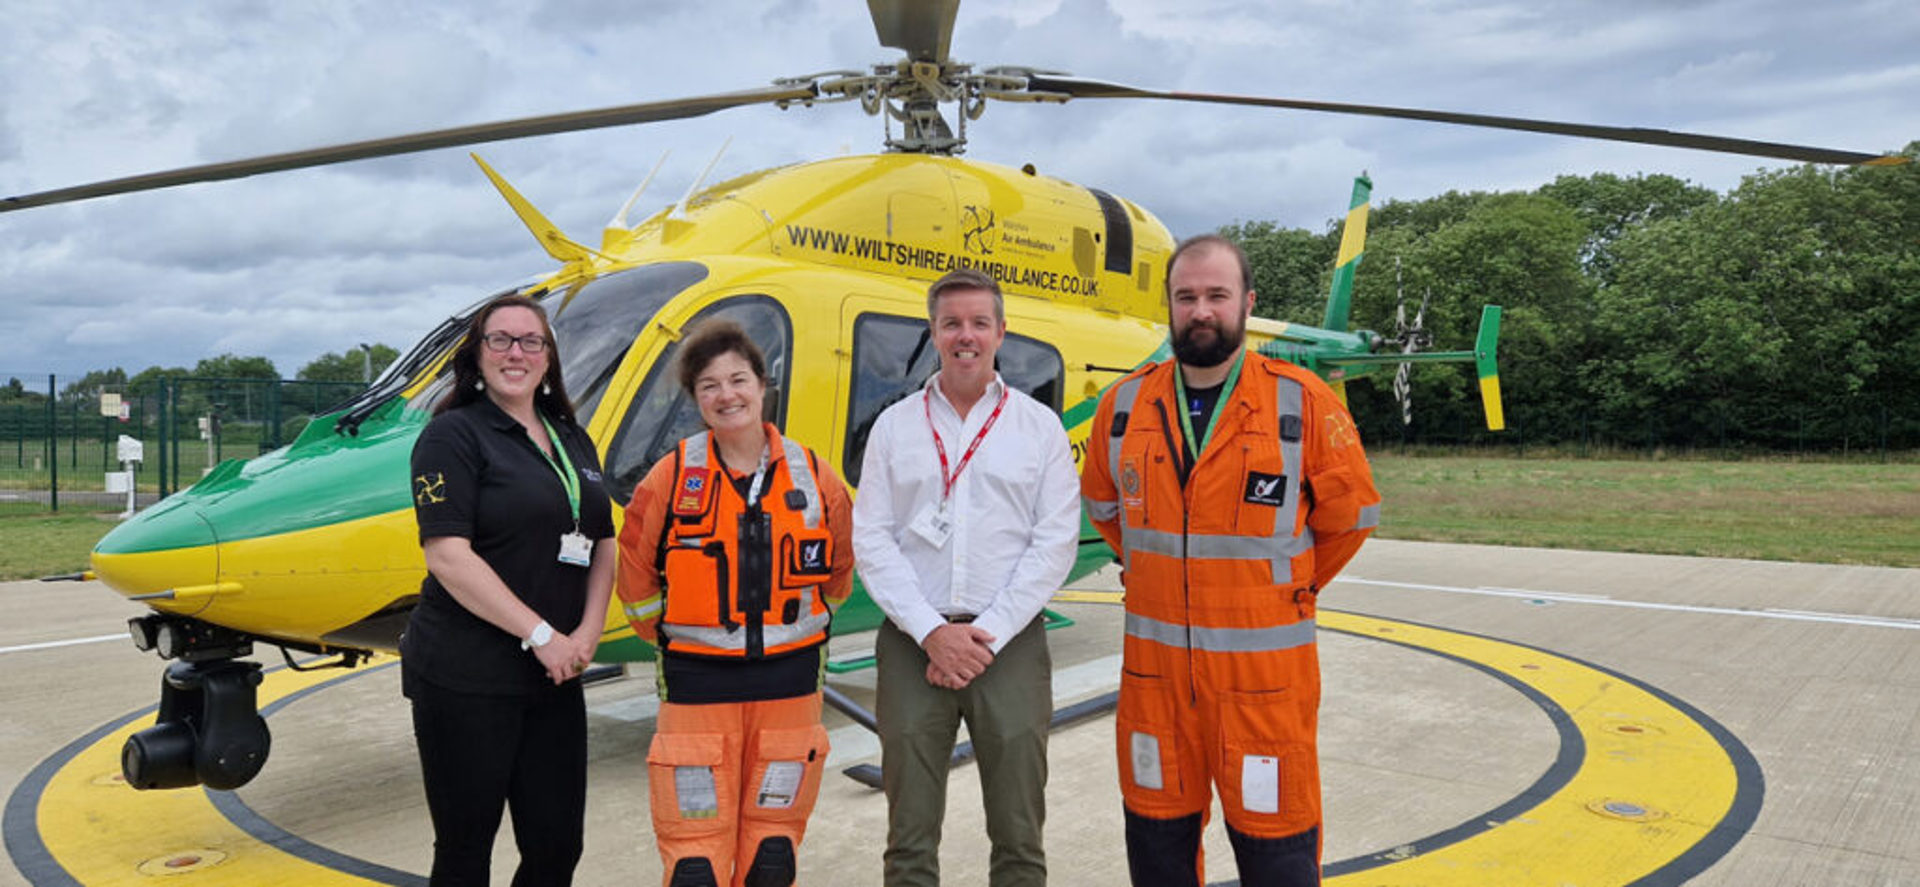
{"x": 976, "y": 224}
{"x": 430, "y": 489}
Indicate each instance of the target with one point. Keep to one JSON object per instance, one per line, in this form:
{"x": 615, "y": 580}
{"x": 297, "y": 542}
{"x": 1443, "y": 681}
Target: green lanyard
{"x": 564, "y": 468}
{"x": 1186, "y": 414}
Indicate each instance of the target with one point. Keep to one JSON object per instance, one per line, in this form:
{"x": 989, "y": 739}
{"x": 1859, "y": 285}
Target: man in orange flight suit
{"x": 1224, "y": 557}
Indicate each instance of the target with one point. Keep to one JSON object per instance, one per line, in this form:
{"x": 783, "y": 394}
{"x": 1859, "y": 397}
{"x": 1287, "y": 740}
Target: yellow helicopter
{"x": 312, "y": 547}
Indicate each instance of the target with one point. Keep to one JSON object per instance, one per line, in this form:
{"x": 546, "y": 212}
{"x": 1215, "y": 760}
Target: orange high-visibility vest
{"x": 744, "y": 579}
{"x": 1222, "y": 568}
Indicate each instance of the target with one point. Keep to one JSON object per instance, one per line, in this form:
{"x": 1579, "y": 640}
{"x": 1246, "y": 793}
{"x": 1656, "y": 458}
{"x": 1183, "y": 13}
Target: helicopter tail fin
{"x": 551, "y": 239}
{"x": 1353, "y": 242}
{"x": 1487, "y": 366}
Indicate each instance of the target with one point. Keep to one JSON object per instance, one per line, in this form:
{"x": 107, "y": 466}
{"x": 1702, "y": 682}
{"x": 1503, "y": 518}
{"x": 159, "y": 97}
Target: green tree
{"x": 348, "y": 366}
{"x": 1610, "y": 206}
{"x": 93, "y": 383}
{"x": 146, "y": 383}
{"x": 233, "y": 366}
{"x": 1291, "y": 269}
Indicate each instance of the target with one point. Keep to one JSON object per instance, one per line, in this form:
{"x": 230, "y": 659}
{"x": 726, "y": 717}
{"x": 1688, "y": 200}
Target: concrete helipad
{"x": 1493, "y": 716}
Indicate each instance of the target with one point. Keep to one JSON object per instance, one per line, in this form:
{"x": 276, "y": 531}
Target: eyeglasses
{"x": 528, "y": 344}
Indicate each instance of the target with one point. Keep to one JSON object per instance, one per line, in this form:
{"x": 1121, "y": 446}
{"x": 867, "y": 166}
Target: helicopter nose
{"x": 167, "y": 547}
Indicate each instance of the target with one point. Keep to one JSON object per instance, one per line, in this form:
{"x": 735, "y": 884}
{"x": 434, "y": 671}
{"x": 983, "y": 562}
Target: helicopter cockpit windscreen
{"x": 662, "y": 414}
{"x": 595, "y": 324}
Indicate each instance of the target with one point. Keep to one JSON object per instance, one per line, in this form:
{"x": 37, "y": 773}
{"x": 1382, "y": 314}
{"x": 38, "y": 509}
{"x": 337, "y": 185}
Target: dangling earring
{"x": 479, "y": 384}
{"x": 546, "y": 388}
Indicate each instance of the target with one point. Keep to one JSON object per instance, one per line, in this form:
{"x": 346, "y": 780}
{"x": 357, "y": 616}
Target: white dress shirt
{"x": 1015, "y": 513}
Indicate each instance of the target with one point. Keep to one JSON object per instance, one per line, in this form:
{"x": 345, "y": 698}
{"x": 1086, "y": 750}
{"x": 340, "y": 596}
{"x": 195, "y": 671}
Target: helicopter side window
{"x": 893, "y": 356}
{"x": 661, "y": 414}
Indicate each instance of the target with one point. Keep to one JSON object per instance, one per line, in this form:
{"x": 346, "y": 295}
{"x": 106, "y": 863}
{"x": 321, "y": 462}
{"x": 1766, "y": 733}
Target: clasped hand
{"x": 564, "y": 657}
{"x": 956, "y": 654}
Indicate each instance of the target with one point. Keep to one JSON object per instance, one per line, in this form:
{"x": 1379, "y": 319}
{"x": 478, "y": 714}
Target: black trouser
{"x": 478, "y": 753}
{"x": 1161, "y": 853}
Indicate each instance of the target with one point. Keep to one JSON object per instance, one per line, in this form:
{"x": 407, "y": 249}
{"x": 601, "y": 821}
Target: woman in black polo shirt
{"x": 517, "y": 533}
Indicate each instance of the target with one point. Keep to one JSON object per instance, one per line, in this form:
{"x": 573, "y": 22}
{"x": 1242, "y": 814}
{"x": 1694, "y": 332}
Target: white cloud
{"x": 297, "y": 264}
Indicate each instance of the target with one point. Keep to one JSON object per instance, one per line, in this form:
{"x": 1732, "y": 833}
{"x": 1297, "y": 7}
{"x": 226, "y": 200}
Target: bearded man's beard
{"x": 1207, "y": 344}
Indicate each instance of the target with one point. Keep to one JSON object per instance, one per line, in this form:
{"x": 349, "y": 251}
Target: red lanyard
{"x": 940, "y": 446}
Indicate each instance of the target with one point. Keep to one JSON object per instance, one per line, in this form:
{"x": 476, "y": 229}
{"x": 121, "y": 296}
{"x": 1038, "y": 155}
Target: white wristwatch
{"x": 541, "y": 636}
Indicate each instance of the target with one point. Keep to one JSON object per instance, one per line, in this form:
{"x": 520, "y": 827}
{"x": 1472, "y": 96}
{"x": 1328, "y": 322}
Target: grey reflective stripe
{"x": 1222, "y": 640}
{"x": 646, "y": 609}
{"x": 1278, "y": 550}
{"x": 1369, "y": 517}
{"x": 1099, "y": 510}
{"x": 801, "y": 476}
{"x": 771, "y": 635}
{"x": 1287, "y": 397}
{"x": 696, "y": 450}
{"x": 1123, "y": 397}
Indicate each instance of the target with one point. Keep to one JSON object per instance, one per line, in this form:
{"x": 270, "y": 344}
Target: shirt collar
{"x": 493, "y": 415}
{"x": 993, "y": 391}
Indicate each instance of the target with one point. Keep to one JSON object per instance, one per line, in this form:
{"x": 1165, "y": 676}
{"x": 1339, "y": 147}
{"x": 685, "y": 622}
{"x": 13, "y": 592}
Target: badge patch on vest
{"x": 691, "y": 498}
{"x": 1265, "y": 489}
{"x": 813, "y": 557}
{"x": 1130, "y": 483}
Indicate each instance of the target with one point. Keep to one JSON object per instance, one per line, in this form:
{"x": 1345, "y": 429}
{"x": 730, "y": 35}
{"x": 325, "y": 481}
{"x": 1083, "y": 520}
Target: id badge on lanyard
{"x": 576, "y": 550}
{"x": 935, "y": 522}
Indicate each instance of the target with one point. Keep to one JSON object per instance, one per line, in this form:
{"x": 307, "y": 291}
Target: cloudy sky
{"x": 296, "y": 264}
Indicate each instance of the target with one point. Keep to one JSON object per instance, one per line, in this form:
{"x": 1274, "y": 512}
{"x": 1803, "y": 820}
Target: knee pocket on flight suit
{"x": 783, "y": 777}
{"x": 693, "y": 793}
{"x": 1265, "y": 770}
{"x": 1152, "y": 778}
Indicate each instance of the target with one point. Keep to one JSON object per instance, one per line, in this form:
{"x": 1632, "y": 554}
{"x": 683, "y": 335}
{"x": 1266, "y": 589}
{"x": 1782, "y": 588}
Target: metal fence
{"x": 62, "y": 450}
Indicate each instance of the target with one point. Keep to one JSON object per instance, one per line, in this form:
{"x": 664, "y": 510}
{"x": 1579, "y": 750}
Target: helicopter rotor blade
{"x": 572, "y": 121}
{"x": 1074, "y": 87}
{"x": 922, "y": 28}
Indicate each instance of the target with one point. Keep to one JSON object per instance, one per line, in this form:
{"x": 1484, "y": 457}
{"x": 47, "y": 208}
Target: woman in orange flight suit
{"x": 735, "y": 550}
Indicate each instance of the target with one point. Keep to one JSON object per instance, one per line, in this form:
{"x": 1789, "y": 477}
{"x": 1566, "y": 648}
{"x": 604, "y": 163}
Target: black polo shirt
{"x": 477, "y": 475}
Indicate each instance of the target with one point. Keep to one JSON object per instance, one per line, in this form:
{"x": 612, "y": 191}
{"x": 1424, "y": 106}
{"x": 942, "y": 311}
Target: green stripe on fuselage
{"x": 320, "y": 480}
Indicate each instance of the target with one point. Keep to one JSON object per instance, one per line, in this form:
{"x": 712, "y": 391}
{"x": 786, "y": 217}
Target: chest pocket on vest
{"x": 696, "y": 563}
{"x": 806, "y": 557}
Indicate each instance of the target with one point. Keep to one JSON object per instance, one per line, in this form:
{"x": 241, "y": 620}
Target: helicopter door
{"x": 661, "y": 413}
{"x": 893, "y": 356}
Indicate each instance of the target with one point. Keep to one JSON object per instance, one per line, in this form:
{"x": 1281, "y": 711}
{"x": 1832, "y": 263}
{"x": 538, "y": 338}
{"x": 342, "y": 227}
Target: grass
{"x": 83, "y": 463}
{"x": 1845, "y": 512}
{"x": 44, "y": 544}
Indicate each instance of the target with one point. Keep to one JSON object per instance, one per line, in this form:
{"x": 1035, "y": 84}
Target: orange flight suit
{"x": 707, "y": 575}
{"x": 1221, "y": 679}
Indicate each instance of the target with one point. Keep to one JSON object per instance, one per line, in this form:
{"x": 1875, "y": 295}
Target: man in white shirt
{"x": 966, "y": 522}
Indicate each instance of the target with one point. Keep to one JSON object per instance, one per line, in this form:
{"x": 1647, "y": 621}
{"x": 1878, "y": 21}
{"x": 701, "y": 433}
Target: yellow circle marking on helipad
{"x": 1640, "y": 798}
{"x": 104, "y": 832}
{"x": 1652, "y": 785}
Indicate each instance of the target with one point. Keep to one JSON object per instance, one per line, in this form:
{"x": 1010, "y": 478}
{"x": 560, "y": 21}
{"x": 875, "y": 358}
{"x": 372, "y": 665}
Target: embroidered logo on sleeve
{"x": 430, "y": 488}
{"x": 1340, "y": 431}
{"x": 1266, "y": 489}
